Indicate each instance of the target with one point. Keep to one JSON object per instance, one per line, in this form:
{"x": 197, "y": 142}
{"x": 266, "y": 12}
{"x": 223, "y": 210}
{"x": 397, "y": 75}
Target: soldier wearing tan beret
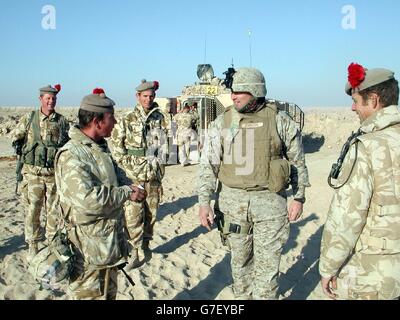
{"x": 138, "y": 140}
{"x": 360, "y": 249}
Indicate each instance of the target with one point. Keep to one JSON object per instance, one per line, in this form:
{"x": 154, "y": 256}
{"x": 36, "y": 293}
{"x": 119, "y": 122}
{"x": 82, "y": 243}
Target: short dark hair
{"x": 85, "y": 117}
{"x": 387, "y": 91}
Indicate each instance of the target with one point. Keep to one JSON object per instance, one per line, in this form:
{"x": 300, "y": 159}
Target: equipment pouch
{"x": 279, "y": 174}
{"x": 28, "y": 154}
{"x": 51, "y": 154}
{"x": 40, "y": 156}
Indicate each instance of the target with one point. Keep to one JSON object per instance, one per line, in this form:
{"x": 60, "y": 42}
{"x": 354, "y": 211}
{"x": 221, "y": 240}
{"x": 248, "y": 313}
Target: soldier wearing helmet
{"x": 254, "y": 151}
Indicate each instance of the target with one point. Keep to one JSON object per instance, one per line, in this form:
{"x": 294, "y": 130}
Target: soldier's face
{"x": 241, "y": 99}
{"x": 106, "y": 125}
{"x": 146, "y": 98}
{"x": 47, "y": 103}
{"x": 364, "y": 109}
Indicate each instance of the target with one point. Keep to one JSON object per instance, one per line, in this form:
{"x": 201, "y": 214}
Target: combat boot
{"x": 146, "y": 245}
{"x": 134, "y": 261}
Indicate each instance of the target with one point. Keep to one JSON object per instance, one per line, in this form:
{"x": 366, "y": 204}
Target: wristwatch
{"x": 302, "y": 200}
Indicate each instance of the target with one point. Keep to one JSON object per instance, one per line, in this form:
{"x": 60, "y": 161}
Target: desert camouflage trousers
{"x": 255, "y": 257}
{"x": 38, "y": 191}
{"x": 141, "y": 217}
{"x": 370, "y": 277}
{"x": 93, "y": 284}
{"x": 184, "y": 139}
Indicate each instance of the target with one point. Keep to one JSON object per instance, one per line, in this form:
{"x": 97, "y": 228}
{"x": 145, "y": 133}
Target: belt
{"x": 138, "y": 152}
{"x": 380, "y": 243}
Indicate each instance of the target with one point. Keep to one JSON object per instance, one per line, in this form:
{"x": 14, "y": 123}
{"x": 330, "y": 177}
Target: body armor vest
{"x": 38, "y": 152}
{"x": 253, "y": 156}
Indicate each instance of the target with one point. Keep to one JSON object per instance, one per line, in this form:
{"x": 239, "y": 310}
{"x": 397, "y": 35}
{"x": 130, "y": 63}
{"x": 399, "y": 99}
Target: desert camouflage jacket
{"x": 183, "y": 120}
{"x": 137, "y": 140}
{"x": 50, "y": 129}
{"x": 211, "y": 156}
{"x": 90, "y": 193}
{"x": 364, "y": 214}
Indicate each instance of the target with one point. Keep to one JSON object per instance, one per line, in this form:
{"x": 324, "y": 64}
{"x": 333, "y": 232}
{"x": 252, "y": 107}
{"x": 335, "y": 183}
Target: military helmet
{"x": 249, "y": 80}
{"x": 53, "y": 263}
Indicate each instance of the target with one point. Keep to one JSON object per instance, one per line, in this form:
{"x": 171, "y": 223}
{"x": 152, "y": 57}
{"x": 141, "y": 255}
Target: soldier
{"x": 137, "y": 139}
{"x": 168, "y": 120}
{"x": 251, "y": 210}
{"x": 360, "y": 249}
{"x": 37, "y": 138}
{"x": 91, "y": 193}
{"x": 196, "y": 118}
{"x": 184, "y": 134}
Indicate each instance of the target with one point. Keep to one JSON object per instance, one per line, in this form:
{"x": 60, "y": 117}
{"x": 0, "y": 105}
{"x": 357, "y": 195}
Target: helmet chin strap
{"x": 251, "y": 106}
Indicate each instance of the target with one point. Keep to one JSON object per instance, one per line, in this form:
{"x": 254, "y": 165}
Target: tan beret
{"x": 97, "y": 102}
{"x": 51, "y": 90}
{"x": 372, "y": 78}
{"x": 147, "y": 85}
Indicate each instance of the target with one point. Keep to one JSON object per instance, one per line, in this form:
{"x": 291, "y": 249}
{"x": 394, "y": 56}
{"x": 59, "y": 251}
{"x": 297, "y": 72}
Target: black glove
{"x": 17, "y": 145}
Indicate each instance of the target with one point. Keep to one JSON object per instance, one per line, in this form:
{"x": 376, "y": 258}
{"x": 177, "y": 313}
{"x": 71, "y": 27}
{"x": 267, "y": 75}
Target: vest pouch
{"x": 28, "y": 154}
{"x": 279, "y": 174}
{"x": 51, "y": 154}
{"x": 41, "y": 156}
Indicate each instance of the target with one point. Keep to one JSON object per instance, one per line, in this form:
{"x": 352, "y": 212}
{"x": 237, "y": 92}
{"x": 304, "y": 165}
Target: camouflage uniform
{"x": 195, "y": 120}
{"x": 92, "y": 198}
{"x": 361, "y": 242}
{"x": 255, "y": 255}
{"x": 135, "y": 139}
{"x": 38, "y": 185}
{"x": 170, "y": 130}
{"x": 185, "y": 135}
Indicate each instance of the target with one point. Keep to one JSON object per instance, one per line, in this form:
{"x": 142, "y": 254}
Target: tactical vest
{"x": 381, "y": 233}
{"x": 265, "y": 168}
{"x": 40, "y": 152}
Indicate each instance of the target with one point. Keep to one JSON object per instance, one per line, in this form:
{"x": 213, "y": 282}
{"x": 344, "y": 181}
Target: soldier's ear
{"x": 374, "y": 98}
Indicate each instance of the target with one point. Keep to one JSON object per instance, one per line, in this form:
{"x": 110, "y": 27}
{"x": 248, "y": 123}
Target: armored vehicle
{"x": 212, "y": 97}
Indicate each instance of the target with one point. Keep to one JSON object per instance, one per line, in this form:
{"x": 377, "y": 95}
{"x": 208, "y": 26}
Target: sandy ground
{"x": 187, "y": 262}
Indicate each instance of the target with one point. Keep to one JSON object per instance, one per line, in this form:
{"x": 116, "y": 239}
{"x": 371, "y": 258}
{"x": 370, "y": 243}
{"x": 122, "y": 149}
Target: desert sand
{"x": 187, "y": 262}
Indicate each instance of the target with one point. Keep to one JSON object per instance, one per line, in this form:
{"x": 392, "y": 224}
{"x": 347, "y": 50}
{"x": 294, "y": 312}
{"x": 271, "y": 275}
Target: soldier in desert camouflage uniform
{"x": 92, "y": 191}
{"x": 195, "y": 117}
{"x": 360, "y": 249}
{"x": 252, "y": 196}
{"x": 139, "y": 142}
{"x": 38, "y": 136}
{"x": 184, "y": 134}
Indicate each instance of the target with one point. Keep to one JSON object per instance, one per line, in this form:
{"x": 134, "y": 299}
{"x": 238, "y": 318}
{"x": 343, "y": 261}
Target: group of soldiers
{"x": 252, "y": 152}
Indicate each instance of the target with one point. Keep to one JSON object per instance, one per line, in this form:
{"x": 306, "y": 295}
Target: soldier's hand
{"x": 138, "y": 194}
{"x": 327, "y": 285}
{"x": 295, "y": 210}
{"x": 206, "y": 216}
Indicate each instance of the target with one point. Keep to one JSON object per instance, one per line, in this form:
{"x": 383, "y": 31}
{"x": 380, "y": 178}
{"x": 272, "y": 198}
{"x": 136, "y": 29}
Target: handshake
{"x": 138, "y": 193}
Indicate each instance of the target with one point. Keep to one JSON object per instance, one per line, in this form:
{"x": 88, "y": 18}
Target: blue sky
{"x": 300, "y": 46}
